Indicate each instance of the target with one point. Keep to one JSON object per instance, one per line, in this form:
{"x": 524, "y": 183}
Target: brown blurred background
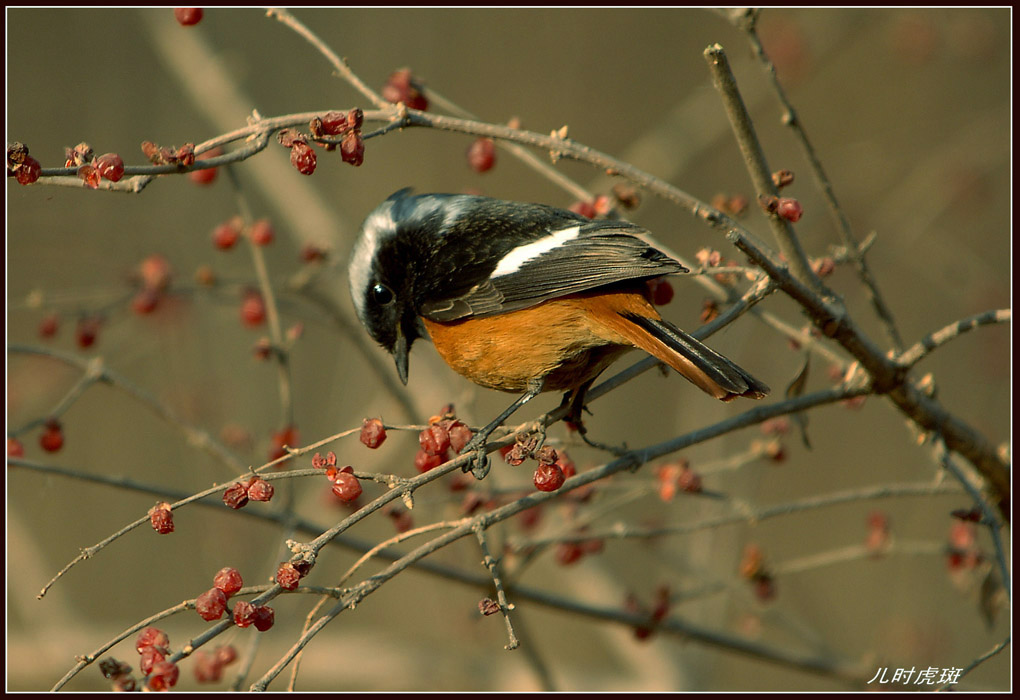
{"x": 909, "y": 111}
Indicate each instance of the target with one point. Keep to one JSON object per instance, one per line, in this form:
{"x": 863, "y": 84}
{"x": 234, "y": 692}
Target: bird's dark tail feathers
{"x": 697, "y": 362}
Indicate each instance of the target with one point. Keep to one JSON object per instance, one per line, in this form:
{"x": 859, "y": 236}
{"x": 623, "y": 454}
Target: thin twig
{"x": 629, "y": 461}
{"x": 281, "y": 356}
{"x": 977, "y": 662}
{"x": 917, "y": 352}
{"x": 792, "y": 120}
{"x": 505, "y": 606}
{"x": 825, "y": 500}
{"x": 988, "y": 510}
{"x": 887, "y": 377}
{"x": 754, "y": 158}
{"x": 194, "y": 436}
{"x": 339, "y": 64}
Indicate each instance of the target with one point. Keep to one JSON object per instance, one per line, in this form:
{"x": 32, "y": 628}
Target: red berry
{"x": 346, "y": 487}
{"x": 373, "y": 434}
{"x": 689, "y": 481}
{"x": 434, "y": 440}
{"x": 89, "y": 175}
{"x": 155, "y": 272}
{"x": 145, "y": 302}
{"x": 824, "y": 266}
{"x": 302, "y": 157}
{"x": 460, "y": 436}
{"x": 660, "y": 291}
{"x": 764, "y": 588}
{"x": 602, "y": 204}
{"x": 668, "y": 475}
{"x": 161, "y": 518}
{"x": 262, "y": 232}
{"x": 188, "y": 16}
{"x": 402, "y": 87}
{"x": 87, "y": 331}
{"x": 355, "y": 117}
{"x": 211, "y": 605}
{"x": 312, "y": 253}
{"x": 253, "y": 309}
{"x": 352, "y": 148}
{"x": 260, "y": 490}
{"x": 264, "y": 618}
{"x": 662, "y": 603}
{"x": 207, "y": 667}
{"x": 244, "y": 613}
{"x": 52, "y": 438}
{"x": 584, "y": 209}
{"x": 549, "y": 477}
{"x": 481, "y": 155}
{"x": 15, "y": 448}
{"x": 225, "y": 235}
{"x": 568, "y": 553}
{"x": 149, "y": 657}
{"x": 566, "y": 464}
{"x": 205, "y": 176}
{"x": 48, "y": 326}
{"x": 752, "y": 564}
{"x": 333, "y": 123}
{"x": 152, "y": 637}
{"x": 110, "y": 167}
{"x": 423, "y": 462}
{"x": 28, "y": 172}
{"x": 287, "y": 576}
{"x": 226, "y": 655}
{"x": 287, "y": 437}
{"x": 530, "y": 518}
{"x": 320, "y": 462}
{"x": 163, "y": 676}
{"x": 236, "y": 495}
{"x": 228, "y": 579}
{"x": 401, "y": 518}
{"x": 789, "y": 209}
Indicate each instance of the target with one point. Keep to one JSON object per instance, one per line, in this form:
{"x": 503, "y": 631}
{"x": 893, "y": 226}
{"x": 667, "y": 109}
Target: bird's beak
{"x": 400, "y": 351}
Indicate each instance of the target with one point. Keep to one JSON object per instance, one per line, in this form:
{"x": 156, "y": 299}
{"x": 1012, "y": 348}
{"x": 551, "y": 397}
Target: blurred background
{"x": 909, "y": 111}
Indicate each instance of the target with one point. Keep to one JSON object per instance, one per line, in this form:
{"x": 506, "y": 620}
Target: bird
{"x": 522, "y": 298}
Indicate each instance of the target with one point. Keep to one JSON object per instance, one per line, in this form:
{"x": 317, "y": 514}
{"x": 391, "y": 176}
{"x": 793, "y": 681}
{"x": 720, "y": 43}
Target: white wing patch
{"x": 518, "y": 257}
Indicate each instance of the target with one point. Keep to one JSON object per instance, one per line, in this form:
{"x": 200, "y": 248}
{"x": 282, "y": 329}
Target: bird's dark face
{"x": 394, "y": 247}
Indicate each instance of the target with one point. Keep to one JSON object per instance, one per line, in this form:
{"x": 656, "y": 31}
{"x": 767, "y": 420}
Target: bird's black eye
{"x": 382, "y": 295}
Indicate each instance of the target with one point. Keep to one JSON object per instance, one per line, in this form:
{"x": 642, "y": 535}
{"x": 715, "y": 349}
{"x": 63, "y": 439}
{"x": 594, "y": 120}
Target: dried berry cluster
{"x": 239, "y": 493}
{"x": 352, "y": 146}
{"x": 183, "y": 157}
{"x": 289, "y": 573}
{"x": 322, "y": 129}
{"x": 213, "y": 603}
{"x": 444, "y": 435}
{"x": 20, "y": 165}
{"x": 344, "y": 485}
{"x": 153, "y": 647}
{"x": 108, "y": 166}
{"x": 676, "y": 476}
{"x": 553, "y": 468}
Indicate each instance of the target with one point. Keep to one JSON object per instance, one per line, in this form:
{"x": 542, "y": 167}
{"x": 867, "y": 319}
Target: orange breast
{"x": 566, "y": 341}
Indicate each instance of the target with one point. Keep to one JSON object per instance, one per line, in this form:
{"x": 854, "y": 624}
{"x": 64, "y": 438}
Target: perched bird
{"x": 521, "y": 297}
